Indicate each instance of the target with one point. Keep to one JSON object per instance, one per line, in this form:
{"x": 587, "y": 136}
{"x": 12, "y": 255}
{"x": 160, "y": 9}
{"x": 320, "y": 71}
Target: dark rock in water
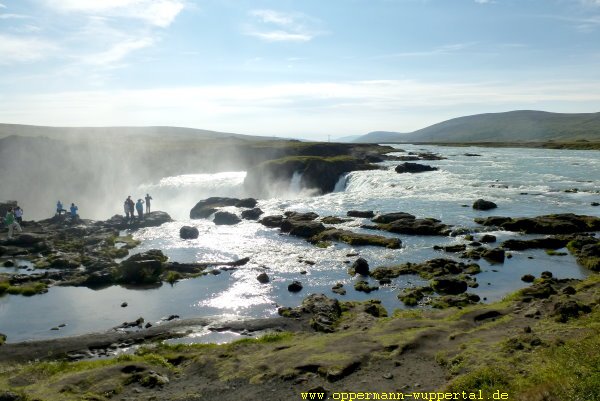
{"x": 271, "y": 221}
{"x": 408, "y": 158}
{"x": 495, "y": 255}
{"x": 568, "y": 290}
{"x": 252, "y": 214}
{"x": 546, "y": 274}
{"x": 2, "y": 338}
{"x": 295, "y": 286}
{"x": 357, "y": 213}
{"x": 302, "y": 228}
{"x": 481, "y": 204}
{"x": 449, "y": 285}
{"x": 528, "y": 278}
{"x": 208, "y": 206}
{"x": 9, "y": 263}
{"x": 339, "y": 289}
{"x": 226, "y": 218}
{"x": 352, "y": 238}
{"x": 412, "y": 296}
{"x": 246, "y": 202}
{"x": 541, "y": 290}
{"x": 98, "y": 279}
{"x": 188, "y": 232}
{"x": 430, "y": 156}
{"x": 487, "y": 238}
{"x": 148, "y": 325}
{"x": 142, "y": 268}
{"x": 124, "y": 305}
{"x": 263, "y": 278}
{"x": 360, "y": 266}
{"x": 431, "y": 268}
{"x": 566, "y": 223}
{"x": 451, "y": 248}
{"x": 414, "y": 168}
{"x": 390, "y": 217}
{"x": 364, "y": 286}
{"x": 413, "y": 226}
{"x": 472, "y": 154}
{"x": 310, "y": 216}
{"x": 537, "y": 243}
{"x": 334, "y": 220}
{"x": 595, "y": 204}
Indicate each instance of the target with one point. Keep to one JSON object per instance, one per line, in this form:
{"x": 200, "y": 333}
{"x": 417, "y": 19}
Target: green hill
{"x": 513, "y": 126}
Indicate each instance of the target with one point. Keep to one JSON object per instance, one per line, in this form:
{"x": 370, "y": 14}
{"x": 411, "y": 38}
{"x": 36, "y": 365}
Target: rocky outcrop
{"x": 429, "y": 269}
{"x": 482, "y": 204}
{"x": 319, "y": 173}
{"x": 152, "y": 219}
{"x": 142, "y": 268}
{"x": 449, "y": 285}
{"x": 252, "y": 214}
{"x": 413, "y": 168}
{"x": 301, "y": 224}
{"x": 567, "y": 223}
{"x": 226, "y": 218}
{"x": 360, "y": 266}
{"x": 405, "y": 223}
{"x": 358, "y": 213}
{"x": 206, "y": 207}
{"x": 188, "y": 232}
{"x": 537, "y": 243}
{"x": 352, "y": 238}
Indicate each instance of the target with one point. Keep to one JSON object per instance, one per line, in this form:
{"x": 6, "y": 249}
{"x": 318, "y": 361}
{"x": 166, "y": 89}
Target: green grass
{"x": 27, "y": 290}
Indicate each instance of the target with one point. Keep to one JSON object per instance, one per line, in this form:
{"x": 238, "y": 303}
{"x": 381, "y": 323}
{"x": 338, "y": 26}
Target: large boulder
{"x": 389, "y": 217}
{"x": 352, "y": 238}
{"x": 360, "y": 266}
{"x": 248, "y": 203}
{"x": 252, "y": 214}
{"x": 414, "y": 168}
{"x": 188, "y": 232}
{"x": 226, "y": 218}
{"x": 360, "y": 213}
{"x": 206, "y": 207}
{"x": 449, "y": 285}
{"x": 404, "y": 223}
{"x": 482, "y": 204}
{"x": 142, "y": 268}
{"x": 566, "y": 223}
{"x": 272, "y": 221}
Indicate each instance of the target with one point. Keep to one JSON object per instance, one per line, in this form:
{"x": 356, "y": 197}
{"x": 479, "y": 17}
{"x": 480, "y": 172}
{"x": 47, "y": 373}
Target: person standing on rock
{"x": 11, "y": 223}
{"x": 59, "y": 208}
{"x": 140, "y": 208}
{"x": 126, "y": 208}
{"x": 19, "y": 215}
{"x": 131, "y": 207}
{"x": 148, "y": 199}
{"x": 74, "y": 211}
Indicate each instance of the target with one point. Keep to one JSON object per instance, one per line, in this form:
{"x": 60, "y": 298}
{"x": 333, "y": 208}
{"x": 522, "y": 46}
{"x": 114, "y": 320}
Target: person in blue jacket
{"x": 140, "y": 208}
{"x": 74, "y": 210}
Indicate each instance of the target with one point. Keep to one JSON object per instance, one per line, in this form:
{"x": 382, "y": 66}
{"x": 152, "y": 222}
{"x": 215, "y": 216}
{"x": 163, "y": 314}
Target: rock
{"x": 481, "y": 204}
{"x": 352, "y": 238}
{"x": 10, "y": 396}
{"x": 142, "y": 268}
{"x": 247, "y": 203}
{"x": 569, "y": 309}
{"x": 414, "y": 168}
{"x": 263, "y": 278}
{"x": 302, "y": 228}
{"x": 449, "y": 285}
{"x": 566, "y": 223}
{"x": 9, "y": 263}
{"x": 412, "y": 296}
{"x": 325, "y": 312}
{"x": 208, "y": 206}
{"x": 124, "y": 305}
{"x": 25, "y": 240}
{"x": 99, "y": 279}
{"x": 148, "y": 325}
{"x": 568, "y": 290}
{"x": 541, "y": 290}
{"x": 408, "y": 224}
{"x": 252, "y": 214}
{"x": 451, "y": 248}
{"x": 460, "y": 300}
{"x": 333, "y": 220}
{"x": 471, "y": 154}
{"x": 528, "y": 278}
{"x": 272, "y": 221}
{"x": 188, "y": 232}
{"x": 495, "y": 255}
{"x": 154, "y": 219}
{"x": 538, "y": 243}
{"x": 364, "y": 286}
{"x": 295, "y": 286}
{"x": 363, "y": 214}
{"x": 546, "y": 274}
{"x": 339, "y": 289}
{"x": 389, "y": 217}
{"x": 360, "y": 266}
{"x": 487, "y": 238}
{"x": 226, "y": 218}
{"x": 429, "y": 269}
{"x": 595, "y": 204}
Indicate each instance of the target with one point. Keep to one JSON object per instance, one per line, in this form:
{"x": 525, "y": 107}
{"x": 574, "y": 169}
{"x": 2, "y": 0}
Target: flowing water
{"x": 523, "y": 182}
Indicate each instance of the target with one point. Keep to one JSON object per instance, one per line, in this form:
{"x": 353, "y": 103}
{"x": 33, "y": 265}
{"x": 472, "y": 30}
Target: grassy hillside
{"x": 513, "y": 126}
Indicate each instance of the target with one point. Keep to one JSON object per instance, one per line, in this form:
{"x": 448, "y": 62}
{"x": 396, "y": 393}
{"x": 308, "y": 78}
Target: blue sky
{"x": 307, "y": 68}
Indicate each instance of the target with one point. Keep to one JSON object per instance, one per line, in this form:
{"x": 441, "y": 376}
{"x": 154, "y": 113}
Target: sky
{"x": 294, "y": 68}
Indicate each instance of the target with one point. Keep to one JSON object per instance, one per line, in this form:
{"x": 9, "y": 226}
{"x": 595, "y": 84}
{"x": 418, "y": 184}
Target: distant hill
{"x": 174, "y": 133}
{"x": 512, "y": 126}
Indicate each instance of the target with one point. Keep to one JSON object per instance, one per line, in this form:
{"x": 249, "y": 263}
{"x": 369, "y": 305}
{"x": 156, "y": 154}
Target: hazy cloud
{"x": 159, "y": 13}
{"x": 275, "y": 26}
{"x": 118, "y": 52}
{"x": 17, "y": 49}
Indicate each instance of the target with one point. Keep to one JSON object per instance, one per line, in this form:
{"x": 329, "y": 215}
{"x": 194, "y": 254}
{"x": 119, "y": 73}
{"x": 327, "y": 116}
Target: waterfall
{"x": 295, "y": 183}
{"x": 340, "y": 185}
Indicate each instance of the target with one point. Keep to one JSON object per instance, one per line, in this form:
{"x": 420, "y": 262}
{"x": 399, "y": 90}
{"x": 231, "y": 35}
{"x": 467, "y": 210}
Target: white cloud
{"x": 159, "y": 13}
{"x": 484, "y": 1}
{"x": 441, "y": 50}
{"x": 16, "y": 49}
{"x": 591, "y": 2}
{"x": 286, "y": 109}
{"x": 2, "y": 5}
{"x": 14, "y": 16}
{"x": 276, "y": 26}
{"x": 118, "y": 52}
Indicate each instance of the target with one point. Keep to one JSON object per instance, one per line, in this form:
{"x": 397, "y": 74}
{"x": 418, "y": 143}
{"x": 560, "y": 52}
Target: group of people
{"x": 73, "y": 209}
{"x": 14, "y": 219}
{"x": 130, "y": 207}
